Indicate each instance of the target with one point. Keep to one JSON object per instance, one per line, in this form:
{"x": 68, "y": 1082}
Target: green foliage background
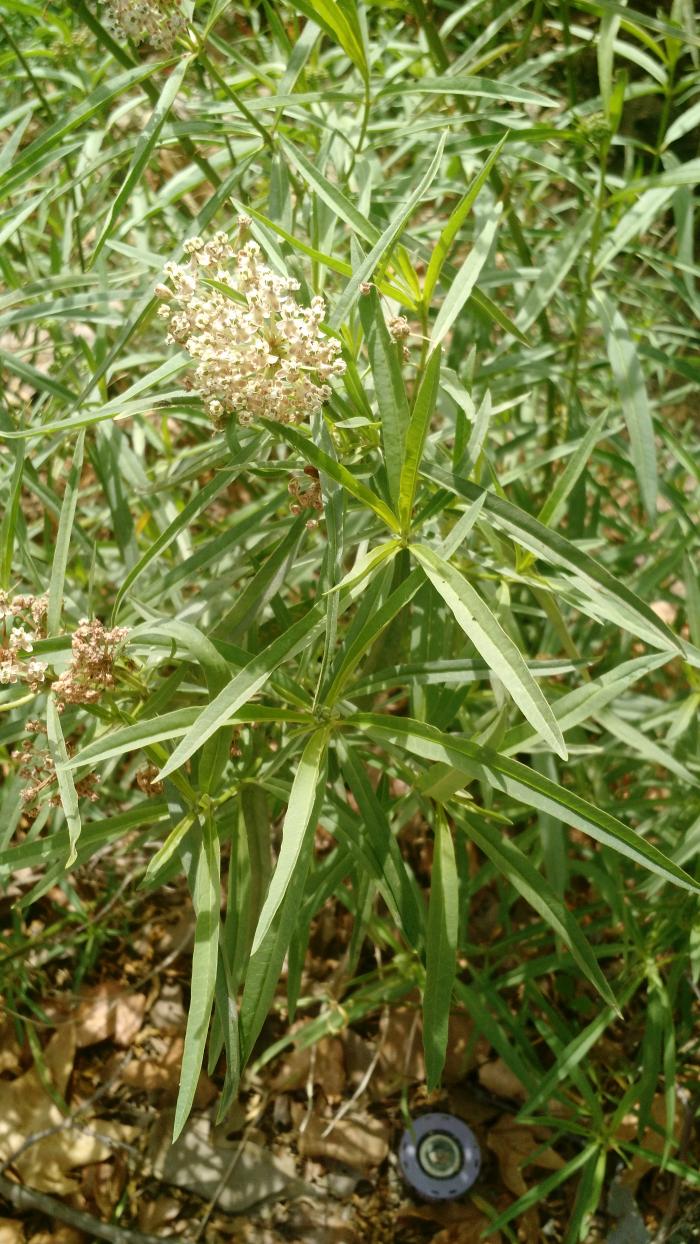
{"x": 478, "y": 633}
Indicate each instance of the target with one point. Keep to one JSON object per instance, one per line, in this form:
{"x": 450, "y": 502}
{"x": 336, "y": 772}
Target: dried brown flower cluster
{"x": 21, "y": 624}
{"x": 37, "y": 768}
{"x": 310, "y": 498}
{"x": 399, "y": 328}
{"x": 147, "y": 780}
{"x": 90, "y": 670}
{"x": 258, "y": 352}
{"x": 158, "y": 22}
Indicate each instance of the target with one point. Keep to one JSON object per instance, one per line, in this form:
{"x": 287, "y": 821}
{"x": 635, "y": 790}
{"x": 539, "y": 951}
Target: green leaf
{"x": 331, "y": 194}
{"x": 466, "y": 278}
{"x": 47, "y": 142}
{"x": 604, "y": 589}
{"x": 66, "y": 786}
{"x": 298, "y": 828}
{"x": 264, "y": 967}
{"x": 395, "y": 883}
{"x": 323, "y": 462}
{"x": 206, "y": 897}
{"x": 477, "y": 88}
{"x": 441, "y": 951}
{"x": 143, "y": 149}
{"x": 631, "y": 387}
{"x": 63, "y": 535}
{"x": 245, "y": 684}
{"x": 418, "y": 427}
{"x": 385, "y": 244}
{"x": 455, "y": 222}
{"x": 8, "y": 525}
{"x": 523, "y": 783}
{"x": 389, "y": 387}
{"x": 515, "y": 866}
{"x": 554, "y": 505}
{"x": 492, "y": 643}
{"x": 201, "y": 498}
{"x": 340, "y": 22}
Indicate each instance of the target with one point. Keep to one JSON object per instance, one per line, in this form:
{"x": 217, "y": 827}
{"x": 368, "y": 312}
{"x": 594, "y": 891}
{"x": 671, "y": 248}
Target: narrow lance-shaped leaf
{"x": 298, "y": 824}
{"x": 441, "y": 951}
{"x": 143, "y": 148}
{"x": 629, "y": 380}
{"x": 455, "y": 222}
{"x": 66, "y": 786}
{"x": 323, "y": 462}
{"x": 421, "y": 415}
{"x": 206, "y": 898}
{"x": 264, "y": 967}
{"x": 466, "y": 278}
{"x": 491, "y": 641}
{"x": 629, "y": 611}
{"x": 513, "y": 864}
{"x": 384, "y": 245}
{"x": 521, "y": 782}
{"x": 62, "y": 546}
{"x": 389, "y": 387}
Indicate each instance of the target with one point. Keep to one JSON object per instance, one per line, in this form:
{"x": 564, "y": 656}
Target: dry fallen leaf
{"x": 202, "y": 1159}
{"x": 516, "y": 1146}
{"x": 468, "y": 1231}
{"x": 653, "y": 1139}
{"x": 26, "y": 1108}
{"x": 11, "y": 1232}
{"x": 61, "y": 1234}
{"x": 161, "y": 1074}
{"x": 326, "y": 1061}
{"x": 401, "y": 1058}
{"x": 155, "y": 1214}
{"x": 497, "y": 1078}
{"x": 357, "y": 1140}
{"x": 10, "y": 1050}
{"x": 108, "y": 1011}
{"x": 104, "y": 1183}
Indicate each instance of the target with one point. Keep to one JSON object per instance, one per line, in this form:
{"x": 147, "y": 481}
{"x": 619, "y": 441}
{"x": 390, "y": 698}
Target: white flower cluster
{"x": 158, "y": 22}
{"x": 90, "y": 670}
{"x": 258, "y": 352}
{"x": 21, "y": 620}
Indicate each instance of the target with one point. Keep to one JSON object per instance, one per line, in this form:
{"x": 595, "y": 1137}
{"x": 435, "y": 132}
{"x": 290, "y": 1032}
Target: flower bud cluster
{"x": 399, "y": 328}
{"x": 258, "y": 352}
{"x": 310, "y": 498}
{"x": 90, "y": 670}
{"x": 158, "y": 22}
{"x": 36, "y": 766}
{"x": 21, "y": 623}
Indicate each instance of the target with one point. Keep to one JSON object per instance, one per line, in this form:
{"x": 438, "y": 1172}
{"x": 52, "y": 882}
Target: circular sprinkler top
{"x": 439, "y": 1156}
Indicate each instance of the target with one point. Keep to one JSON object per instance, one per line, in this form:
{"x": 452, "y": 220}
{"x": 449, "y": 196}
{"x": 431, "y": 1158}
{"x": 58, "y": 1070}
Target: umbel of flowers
{"x": 158, "y": 22}
{"x": 21, "y": 625}
{"x": 258, "y": 352}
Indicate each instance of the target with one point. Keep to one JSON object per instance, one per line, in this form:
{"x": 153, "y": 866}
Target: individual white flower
{"x": 35, "y": 671}
{"x": 21, "y": 640}
{"x": 258, "y": 352}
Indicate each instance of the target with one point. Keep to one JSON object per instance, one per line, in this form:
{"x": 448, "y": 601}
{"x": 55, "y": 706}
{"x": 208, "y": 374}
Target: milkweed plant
{"x": 349, "y": 479}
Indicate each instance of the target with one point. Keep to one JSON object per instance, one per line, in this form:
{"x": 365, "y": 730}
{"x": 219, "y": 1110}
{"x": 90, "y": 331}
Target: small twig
{"x": 27, "y": 1198}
